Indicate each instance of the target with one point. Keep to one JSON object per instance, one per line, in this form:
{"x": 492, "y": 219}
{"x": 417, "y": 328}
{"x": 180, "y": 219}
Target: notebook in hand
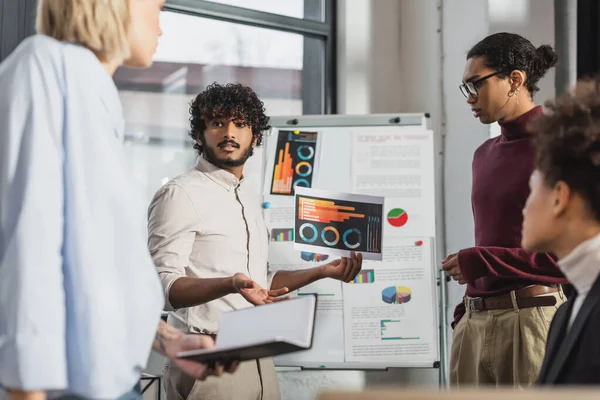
{"x": 262, "y": 331}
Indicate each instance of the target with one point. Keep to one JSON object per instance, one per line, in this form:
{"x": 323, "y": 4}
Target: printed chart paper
{"x": 294, "y": 161}
{"x": 338, "y": 223}
{"x": 399, "y": 166}
{"x": 385, "y": 305}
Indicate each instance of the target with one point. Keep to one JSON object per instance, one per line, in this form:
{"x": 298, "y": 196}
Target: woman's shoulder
{"x": 42, "y": 55}
{"x": 37, "y": 54}
{"x": 46, "y": 51}
{"x": 40, "y": 46}
{"x": 37, "y": 57}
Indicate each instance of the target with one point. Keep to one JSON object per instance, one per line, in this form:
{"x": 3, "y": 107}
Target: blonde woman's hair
{"x": 100, "y": 25}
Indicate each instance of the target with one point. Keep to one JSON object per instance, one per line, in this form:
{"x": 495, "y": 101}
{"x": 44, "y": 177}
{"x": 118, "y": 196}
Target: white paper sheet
{"x": 329, "y": 334}
{"x": 399, "y": 166}
{"x": 384, "y": 306}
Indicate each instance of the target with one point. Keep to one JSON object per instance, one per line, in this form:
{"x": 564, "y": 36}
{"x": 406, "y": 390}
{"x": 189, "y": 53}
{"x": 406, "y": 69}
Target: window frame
{"x": 17, "y": 21}
{"x": 319, "y": 61}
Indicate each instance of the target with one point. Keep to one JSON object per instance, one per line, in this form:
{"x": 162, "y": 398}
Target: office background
{"x": 328, "y": 56}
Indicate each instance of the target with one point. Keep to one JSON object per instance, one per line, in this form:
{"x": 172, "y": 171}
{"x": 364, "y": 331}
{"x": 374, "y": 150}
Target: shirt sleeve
{"x": 477, "y": 262}
{"x": 32, "y": 298}
{"x": 270, "y": 276}
{"x": 171, "y": 235}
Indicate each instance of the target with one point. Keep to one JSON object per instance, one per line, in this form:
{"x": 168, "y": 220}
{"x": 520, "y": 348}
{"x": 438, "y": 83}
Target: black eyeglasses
{"x": 470, "y": 88}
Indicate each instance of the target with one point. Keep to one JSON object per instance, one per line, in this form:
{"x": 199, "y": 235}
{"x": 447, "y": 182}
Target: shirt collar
{"x": 219, "y": 175}
{"x": 582, "y": 265}
{"x": 517, "y": 128}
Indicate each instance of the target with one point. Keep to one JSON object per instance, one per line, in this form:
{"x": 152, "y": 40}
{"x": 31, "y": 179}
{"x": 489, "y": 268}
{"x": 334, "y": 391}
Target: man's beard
{"x": 211, "y": 157}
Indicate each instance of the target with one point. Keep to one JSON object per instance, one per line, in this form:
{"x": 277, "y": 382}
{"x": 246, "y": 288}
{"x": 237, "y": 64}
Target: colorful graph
{"x": 396, "y": 295}
{"x": 373, "y": 229}
{"x": 282, "y": 235}
{"x": 397, "y": 217}
{"x": 313, "y": 257}
{"x": 284, "y": 172}
{"x": 294, "y": 161}
{"x": 336, "y": 223}
{"x": 324, "y": 211}
{"x": 308, "y": 233}
{"x": 365, "y": 276}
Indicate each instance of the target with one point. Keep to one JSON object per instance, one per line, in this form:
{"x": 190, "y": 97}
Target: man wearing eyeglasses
{"x": 511, "y": 296}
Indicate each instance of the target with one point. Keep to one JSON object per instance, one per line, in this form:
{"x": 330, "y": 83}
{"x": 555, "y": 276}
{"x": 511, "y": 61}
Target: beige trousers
{"x": 253, "y": 380}
{"x": 501, "y": 347}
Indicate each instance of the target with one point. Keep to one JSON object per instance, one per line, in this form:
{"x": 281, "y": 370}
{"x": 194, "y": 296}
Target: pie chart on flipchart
{"x": 397, "y": 217}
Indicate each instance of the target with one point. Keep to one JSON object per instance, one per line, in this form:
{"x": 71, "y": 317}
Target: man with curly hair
{"x": 562, "y": 216}
{"x": 209, "y": 241}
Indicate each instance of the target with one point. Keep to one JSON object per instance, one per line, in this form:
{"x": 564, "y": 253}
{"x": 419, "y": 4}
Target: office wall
{"x": 396, "y": 56}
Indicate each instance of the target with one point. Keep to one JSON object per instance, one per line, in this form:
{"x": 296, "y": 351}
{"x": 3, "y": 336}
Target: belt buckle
{"x": 473, "y": 301}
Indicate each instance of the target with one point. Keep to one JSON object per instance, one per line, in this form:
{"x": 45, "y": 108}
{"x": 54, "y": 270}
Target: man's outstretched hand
{"x": 256, "y": 294}
{"x": 344, "y": 269}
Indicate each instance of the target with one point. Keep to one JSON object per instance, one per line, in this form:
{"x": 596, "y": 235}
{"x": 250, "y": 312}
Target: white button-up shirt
{"x": 207, "y": 224}
{"x": 79, "y": 297}
{"x": 582, "y": 267}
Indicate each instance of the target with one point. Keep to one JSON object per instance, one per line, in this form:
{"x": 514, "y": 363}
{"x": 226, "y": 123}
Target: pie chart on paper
{"x": 397, "y": 217}
{"x": 396, "y": 295}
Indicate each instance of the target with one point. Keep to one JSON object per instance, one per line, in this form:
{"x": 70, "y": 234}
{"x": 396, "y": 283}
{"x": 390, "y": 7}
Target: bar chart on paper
{"x": 398, "y": 330}
{"x": 325, "y": 211}
{"x": 338, "y": 222}
{"x": 365, "y": 276}
{"x": 283, "y": 173}
{"x": 282, "y": 235}
{"x": 294, "y": 161}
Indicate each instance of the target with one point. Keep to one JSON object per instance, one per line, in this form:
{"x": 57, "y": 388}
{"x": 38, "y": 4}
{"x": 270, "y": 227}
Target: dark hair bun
{"x": 547, "y": 57}
{"x": 505, "y": 52}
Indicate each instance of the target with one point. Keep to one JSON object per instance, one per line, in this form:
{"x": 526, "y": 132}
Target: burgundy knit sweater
{"x": 497, "y": 265}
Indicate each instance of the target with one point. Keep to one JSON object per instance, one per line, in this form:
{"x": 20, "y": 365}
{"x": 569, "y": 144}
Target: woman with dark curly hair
{"x": 511, "y": 295}
{"x": 210, "y": 244}
{"x": 562, "y": 216}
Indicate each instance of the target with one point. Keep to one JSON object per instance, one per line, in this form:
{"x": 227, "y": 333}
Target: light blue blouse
{"x": 80, "y": 299}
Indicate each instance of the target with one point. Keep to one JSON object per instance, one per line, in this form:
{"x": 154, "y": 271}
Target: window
{"x": 282, "y": 49}
{"x": 290, "y": 8}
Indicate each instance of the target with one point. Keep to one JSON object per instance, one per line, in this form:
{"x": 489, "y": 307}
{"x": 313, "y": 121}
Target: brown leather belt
{"x": 525, "y": 298}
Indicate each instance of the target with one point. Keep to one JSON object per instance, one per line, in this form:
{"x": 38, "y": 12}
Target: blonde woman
{"x": 80, "y": 301}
